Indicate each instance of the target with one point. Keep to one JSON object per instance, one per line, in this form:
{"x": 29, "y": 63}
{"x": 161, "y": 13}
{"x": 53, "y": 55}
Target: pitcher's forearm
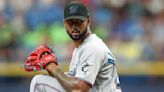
{"x": 70, "y": 84}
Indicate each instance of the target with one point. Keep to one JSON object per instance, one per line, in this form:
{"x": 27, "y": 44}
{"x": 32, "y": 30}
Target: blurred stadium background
{"x": 133, "y": 30}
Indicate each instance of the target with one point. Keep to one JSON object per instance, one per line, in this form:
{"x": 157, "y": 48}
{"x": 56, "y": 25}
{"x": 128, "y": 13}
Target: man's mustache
{"x": 76, "y": 31}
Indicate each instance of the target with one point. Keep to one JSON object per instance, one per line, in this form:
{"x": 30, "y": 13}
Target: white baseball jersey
{"x": 93, "y": 63}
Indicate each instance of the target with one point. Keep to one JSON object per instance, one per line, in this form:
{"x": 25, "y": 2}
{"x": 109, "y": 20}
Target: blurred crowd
{"x": 133, "y": 29}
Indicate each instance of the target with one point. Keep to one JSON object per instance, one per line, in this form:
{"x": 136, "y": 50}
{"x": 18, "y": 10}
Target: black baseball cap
{"x": 75, "y": 10}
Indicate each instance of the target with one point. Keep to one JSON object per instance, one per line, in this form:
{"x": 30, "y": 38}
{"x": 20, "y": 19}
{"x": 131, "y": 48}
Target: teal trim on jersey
{"x": 111, "y": 61}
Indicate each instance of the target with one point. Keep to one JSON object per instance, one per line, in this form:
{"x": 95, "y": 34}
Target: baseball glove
{"x": 40, "y": 58}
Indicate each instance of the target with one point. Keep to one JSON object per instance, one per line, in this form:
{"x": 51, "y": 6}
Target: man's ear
{"x": 89, "y": 21}
{"x": 64, "y": 23}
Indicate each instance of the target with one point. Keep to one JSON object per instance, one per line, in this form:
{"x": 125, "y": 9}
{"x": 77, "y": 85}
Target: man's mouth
{"x": 75, "y": 32}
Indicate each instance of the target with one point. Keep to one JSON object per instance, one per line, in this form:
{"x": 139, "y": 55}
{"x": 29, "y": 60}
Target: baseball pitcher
{"x": 92, "y": 67}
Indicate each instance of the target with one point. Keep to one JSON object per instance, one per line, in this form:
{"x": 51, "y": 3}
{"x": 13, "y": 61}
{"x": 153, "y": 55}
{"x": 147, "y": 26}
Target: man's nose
{"x": 75, "y": 26}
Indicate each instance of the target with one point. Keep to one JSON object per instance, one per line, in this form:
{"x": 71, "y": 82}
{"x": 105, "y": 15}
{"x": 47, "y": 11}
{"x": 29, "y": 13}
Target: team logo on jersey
{"x": 85, "y": 68}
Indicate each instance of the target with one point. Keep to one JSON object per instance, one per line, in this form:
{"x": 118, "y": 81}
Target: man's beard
{"x": 79, "y": 37}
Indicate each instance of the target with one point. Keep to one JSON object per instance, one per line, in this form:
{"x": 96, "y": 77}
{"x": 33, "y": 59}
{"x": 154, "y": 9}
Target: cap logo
{"x": 73, "y": 9}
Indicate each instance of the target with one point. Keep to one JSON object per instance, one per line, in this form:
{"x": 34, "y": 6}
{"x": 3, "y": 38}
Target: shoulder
{"x": 93, "y": 43}
{"x": 93, "y": 48}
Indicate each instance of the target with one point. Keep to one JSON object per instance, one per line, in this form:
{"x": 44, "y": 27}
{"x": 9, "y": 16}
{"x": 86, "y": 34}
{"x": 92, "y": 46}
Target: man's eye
{"x": 79, "y": 22}
{"x": 70, "y": 22}
{"x": 76, "y": 22}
